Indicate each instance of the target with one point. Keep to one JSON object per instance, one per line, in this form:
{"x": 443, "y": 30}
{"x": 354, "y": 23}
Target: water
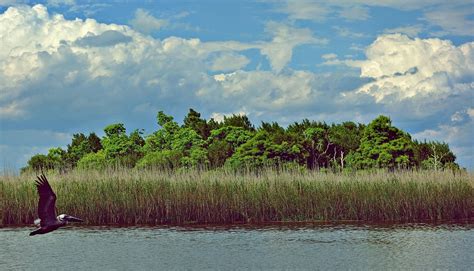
{"x": 271, "y": 247}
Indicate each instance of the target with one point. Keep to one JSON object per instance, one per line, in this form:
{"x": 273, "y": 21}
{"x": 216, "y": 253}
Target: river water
{"x": 227, "y": 248}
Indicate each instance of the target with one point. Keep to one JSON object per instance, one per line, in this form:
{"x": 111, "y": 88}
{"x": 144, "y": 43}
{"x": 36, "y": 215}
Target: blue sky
{"x": 76, "y": 66}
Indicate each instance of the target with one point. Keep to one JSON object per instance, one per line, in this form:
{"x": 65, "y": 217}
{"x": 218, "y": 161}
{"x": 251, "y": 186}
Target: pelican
{"x": 47, "y": 221}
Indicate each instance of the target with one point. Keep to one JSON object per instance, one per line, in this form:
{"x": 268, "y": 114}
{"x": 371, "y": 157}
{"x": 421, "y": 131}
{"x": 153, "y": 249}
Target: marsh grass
{"x": 130, "y": 197}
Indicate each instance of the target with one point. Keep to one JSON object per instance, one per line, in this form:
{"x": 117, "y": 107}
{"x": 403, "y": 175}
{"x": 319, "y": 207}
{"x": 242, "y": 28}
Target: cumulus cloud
{"x": 105, "y": 39}
{"x": 46, "y": 58}
{"x": 146, "y": 23}
{"x": 403, "y": 68}
{"x": 262, "y": 90}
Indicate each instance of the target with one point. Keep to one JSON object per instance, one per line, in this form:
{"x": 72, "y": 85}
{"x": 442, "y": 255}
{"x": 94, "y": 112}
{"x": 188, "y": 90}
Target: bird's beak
{"x": 73, "y": 219}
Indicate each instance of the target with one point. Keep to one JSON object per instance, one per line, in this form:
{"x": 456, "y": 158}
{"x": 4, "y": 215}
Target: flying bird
{"x": 47, "y": 221}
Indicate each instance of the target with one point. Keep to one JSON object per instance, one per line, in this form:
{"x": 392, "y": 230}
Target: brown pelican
{"x": 47, "y": 221}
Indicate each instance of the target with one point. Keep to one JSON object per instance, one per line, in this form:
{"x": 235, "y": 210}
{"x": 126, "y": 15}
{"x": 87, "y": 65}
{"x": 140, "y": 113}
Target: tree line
{"x": 236, "y": 143}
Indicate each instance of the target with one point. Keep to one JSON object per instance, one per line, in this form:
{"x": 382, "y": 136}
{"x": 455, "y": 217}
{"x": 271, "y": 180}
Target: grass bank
{"x": 152, "y": 197}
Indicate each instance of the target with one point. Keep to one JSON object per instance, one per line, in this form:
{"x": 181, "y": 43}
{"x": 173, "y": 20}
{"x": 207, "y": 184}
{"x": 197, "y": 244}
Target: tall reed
{"x": 153, "y": 197}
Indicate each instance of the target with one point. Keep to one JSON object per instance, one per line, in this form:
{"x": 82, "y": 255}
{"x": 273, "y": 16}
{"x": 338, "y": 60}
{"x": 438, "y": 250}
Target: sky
{"x": 70, "y": 66}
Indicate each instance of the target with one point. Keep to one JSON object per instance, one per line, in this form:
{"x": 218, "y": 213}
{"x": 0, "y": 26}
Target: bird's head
{"x": 69, "y": 218}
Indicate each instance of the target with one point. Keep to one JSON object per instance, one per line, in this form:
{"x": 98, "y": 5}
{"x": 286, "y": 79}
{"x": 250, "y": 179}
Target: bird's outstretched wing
{"x": 47, "y": 201}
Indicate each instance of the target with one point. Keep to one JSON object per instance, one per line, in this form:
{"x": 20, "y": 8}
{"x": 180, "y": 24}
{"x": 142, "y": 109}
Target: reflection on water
{"x": 263, "y": 247}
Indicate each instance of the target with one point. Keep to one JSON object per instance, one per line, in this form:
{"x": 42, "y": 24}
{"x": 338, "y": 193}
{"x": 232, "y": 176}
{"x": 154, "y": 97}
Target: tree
{"x": 54, "y": 160}
{"x": 264, "y": 149}
{"x": 57, "y": 159}
{"x": 40, "y": 162}
{"x": 345, "y": 138}
{"x": 436, "y": 155}
{"x": 319, "y": 145}
{"x": 236, "y": 143}
{"x": 94, "y": 142}
{"x": 193, "y": 120}
{"x": 383, "y": 146}
{"x": 80, "y": 146}
{"x": 222, "y": 143}
{"x": 93, "y": 160}
{"x": 120, "y": 149}
{"x": 163, "y": 138}
{"x": 238, "y": 121}
{"x": 190, "y": 143}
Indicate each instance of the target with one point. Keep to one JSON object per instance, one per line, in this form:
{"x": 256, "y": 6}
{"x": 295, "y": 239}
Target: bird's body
{"x": 48, "y": 221}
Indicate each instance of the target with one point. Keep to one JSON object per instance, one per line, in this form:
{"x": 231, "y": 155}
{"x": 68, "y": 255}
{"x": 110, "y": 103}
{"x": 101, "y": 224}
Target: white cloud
{"x": 470, "y": 112}
{"x": 346, "y": 32}
{"x": 320, "y": 10}
{"x": 404, "y": 68}
{"x": 46, "y": 58}
{"x": 460, "y": 116}
{"x": 11, "y": 2}
{"x": 229, "y": 61}
{"x": 263, "y": 91}
{"x": 354, "y": 13}
{"x": 329, "y": 56}
{"x": 56, "y": 3}
{"x": 285, "y": 38}
{"x": 146, "y": 23}
{"x": 304, "y": 10}
{"x": 410, "y": 30}
{"x": 452, "y": 20}
{"x": 219, "y": 116}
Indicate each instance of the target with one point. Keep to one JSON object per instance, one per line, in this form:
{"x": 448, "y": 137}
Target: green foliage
{"x": 190, "y": 143}
{"x": 193, "y": 120}
{"x": 235, "y": 143}
{"x": 223, "y": 142}
{"x": 434, "y": 155}
{"x": 383, "y": 146}
{"x": 163, "y": 160}
{"x": 120, "y": 148}
{"x": 238, "y": 121}
{"x": 93, "y": 160}
{"x": 163, "y": 138}
{"x": 38, "y": 162}
{"x": 80, "y": 146}
{"x": 268, "y": 147}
